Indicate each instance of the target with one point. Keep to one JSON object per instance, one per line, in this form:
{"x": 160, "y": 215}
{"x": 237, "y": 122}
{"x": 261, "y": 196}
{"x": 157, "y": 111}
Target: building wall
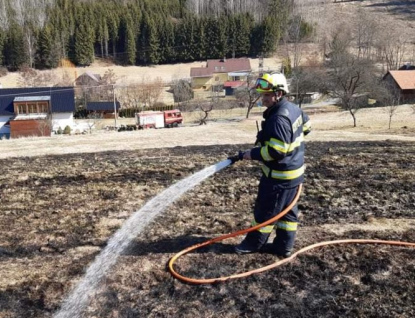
{"x": 207, "y": 82}
{"x": 62, "y": 120}
{"x": 199, "y": 82}
{"x": 408, "y": 96}
{"x": 3, "y": 121}
{"x": 29, "y": 128}
{"x": 4, "y": 131}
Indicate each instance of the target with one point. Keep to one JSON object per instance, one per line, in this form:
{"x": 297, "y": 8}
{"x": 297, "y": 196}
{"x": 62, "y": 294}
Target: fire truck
{"x": 159, "y": 119}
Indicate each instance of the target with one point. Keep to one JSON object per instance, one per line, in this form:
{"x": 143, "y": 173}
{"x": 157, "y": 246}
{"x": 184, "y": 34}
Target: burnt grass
{"x": 58, "y": 212}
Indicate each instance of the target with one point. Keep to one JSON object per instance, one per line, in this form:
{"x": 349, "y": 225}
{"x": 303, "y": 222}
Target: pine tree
{"x": 44, "y": 49}
{"x": 201, "y": 39}
{"x": 244, "y": 25}
{"x": 216, "y": 35}
{"x": 113, "y": 24}
{"x": 149, "y": 44}
{"x": 153, "y": 43}
{"x": 2, "y": 40}
{"x": 14, "y": 52}
{"x": 167, "y": 38}
{"x": 127, "y": 40}
{"x": 84, "y": 44}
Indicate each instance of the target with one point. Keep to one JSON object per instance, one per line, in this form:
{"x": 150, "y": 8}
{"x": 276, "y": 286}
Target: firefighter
{"x": 280, "y": 149}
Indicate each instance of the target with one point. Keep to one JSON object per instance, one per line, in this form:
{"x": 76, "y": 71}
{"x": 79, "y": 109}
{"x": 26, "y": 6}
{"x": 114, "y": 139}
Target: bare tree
{"x": 149, "y": 91}
{"x": 392, "y": 47}
{"x": 365, "y": 32}
{"x": 389, "y": 95}
{"x": 106, "y": 83}
{"x": 45, "y": 126}
{"x": 305, "y": 80}
{"x": 30, "y": 77}
{"x": 130, "y": 97}
{"x": 246, "y": 95}
{"x": 92, "y": 120}
{"x": 350, "y": 80}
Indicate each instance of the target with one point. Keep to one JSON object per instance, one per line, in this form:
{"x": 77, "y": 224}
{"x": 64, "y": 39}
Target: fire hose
{"x": 199, "y": 281}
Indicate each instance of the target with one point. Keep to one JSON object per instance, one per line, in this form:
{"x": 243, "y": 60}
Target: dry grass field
{"x": 63, "y": 198}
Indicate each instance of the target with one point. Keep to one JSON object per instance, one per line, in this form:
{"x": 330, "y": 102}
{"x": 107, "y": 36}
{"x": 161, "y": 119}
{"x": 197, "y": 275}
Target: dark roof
{"x": 62, "y": 98}
{"x": 407, "y": 67}
{"x": 95, "y": 77}
{"x": 221, "y": 66}
{"x": 96, "y": 106}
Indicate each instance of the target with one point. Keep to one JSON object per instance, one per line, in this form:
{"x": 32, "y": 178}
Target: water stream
{"x": 79, "y": 298}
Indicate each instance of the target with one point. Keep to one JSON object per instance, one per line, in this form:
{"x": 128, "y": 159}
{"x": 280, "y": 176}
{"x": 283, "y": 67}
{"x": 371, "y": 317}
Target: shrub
{"x": 59, "y": 131}
{"x": 67, "y": 130}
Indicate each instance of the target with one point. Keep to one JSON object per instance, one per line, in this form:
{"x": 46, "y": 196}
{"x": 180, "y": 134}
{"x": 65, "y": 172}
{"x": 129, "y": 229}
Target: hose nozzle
{"x": 237, "y": 157}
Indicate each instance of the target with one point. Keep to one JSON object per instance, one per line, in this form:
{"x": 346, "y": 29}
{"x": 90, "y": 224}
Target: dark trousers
{"x": 271, "y": 200}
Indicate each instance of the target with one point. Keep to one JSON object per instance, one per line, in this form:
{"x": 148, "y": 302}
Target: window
{"x": 21, "y": 108}
{"x": 31, "y": 108}
{"x": 43, "y": 107}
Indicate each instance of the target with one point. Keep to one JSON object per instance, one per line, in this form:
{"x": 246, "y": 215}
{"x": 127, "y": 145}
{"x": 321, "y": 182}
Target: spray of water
{"x": 79, "y": 298}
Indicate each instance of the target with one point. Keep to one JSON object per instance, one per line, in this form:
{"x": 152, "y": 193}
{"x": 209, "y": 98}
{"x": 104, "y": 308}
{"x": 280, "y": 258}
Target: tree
{"x": 92, "y": 120}
{"x": 306, "y": 79}
{"x": 206, "y": 108}
{"x": 106, "y": 83}
{"x": 182, "y": 91}
{"x": 45, "y": 126}
{"x": 388, "y": 94}
{"x": 47, "y": 56}
{"x": 149, "y": 44}
{"x": 350, "y": 80}
{"x": 29, "y": 77}
{"x": 14, "y": 51}
{"x": 216, "y": 36}
{"x": 2, "y": 40}
{"x": 84, "y": 44}
{"x": 246, "y": 95}
{"x": 392, "y": 44}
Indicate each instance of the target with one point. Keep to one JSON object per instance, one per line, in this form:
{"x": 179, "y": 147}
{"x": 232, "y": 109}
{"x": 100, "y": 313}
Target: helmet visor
{"x": 263, "y": 85}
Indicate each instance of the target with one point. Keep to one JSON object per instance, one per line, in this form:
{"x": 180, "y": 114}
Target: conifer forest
{"x": 40, "y": 33}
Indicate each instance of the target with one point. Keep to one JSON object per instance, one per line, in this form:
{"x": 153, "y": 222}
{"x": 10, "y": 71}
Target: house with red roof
{"x": 218, "y": 72}
{"x": 404, "y": 81}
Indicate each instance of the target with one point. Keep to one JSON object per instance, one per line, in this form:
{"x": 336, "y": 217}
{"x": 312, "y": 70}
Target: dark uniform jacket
{"x": 281, "y": 143}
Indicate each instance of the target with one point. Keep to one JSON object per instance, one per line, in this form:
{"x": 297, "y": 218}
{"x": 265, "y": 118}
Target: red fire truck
{"x": 159, "y": 119}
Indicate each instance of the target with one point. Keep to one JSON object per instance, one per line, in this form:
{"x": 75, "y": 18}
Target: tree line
{"x": 39, "y": 33}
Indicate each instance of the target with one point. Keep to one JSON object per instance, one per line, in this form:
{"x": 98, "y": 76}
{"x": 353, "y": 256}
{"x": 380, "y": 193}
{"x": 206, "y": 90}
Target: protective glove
{"x": 237, "y": 157}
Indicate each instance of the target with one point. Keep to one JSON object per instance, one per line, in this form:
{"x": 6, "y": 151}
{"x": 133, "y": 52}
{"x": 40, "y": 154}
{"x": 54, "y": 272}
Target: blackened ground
{"x": 57, "y": 212}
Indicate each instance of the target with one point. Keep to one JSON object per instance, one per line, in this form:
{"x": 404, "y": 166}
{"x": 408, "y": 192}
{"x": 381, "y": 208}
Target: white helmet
{"x": 271, "y": 83}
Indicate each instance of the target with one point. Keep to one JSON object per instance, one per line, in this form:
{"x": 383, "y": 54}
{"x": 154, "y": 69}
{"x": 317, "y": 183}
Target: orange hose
{"x": 270, "y": 266}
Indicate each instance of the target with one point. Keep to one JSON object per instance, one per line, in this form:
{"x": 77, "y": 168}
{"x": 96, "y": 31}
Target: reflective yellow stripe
{"x": 265, "y": 170}
{"x": 287, "y": 175}
{"x": 287, "y": 226}
{"x": 266, "y": 229}
{"x": 278, "y": 145}
{"x": 265, "y": 155}
{"x": 283, "y": 175}
{"x": 298, "y": 122}
{"x": 307, "y": 126}
{"x": 297, "y": 143}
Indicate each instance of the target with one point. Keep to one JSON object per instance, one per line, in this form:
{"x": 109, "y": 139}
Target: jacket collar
{"x": 271, "y": 110}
